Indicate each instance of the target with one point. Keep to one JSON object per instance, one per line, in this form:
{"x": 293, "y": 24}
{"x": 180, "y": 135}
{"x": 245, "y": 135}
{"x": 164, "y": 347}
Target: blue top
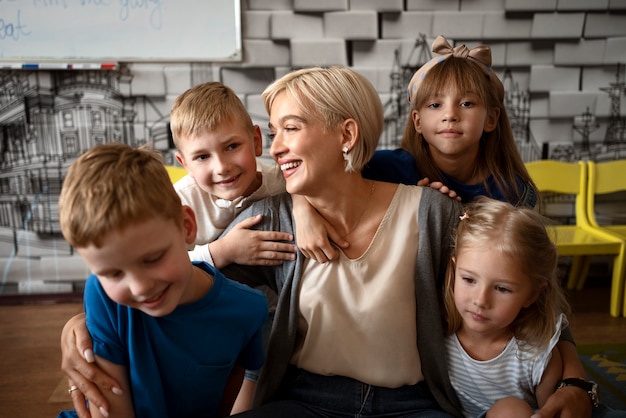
{"x": 399, "y": 166}
{"x": 179, "y": 363}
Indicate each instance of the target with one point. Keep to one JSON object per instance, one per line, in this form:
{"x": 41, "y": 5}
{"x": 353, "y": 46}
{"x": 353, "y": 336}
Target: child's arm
{"x": 231, "y": 391}
{"x": 437, "y": 185}
{"x": 313, "y": 233}
{"x": 245, "y": 397}
{"x": 568, "y": 400}
{"x": 245, "y": 246}
{"x": 551, "y": 376}
{"x": 119, "y": 406}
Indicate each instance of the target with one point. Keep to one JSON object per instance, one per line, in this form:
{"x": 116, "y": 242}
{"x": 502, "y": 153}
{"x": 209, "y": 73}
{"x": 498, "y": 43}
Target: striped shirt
{"x": 513, "y": 373}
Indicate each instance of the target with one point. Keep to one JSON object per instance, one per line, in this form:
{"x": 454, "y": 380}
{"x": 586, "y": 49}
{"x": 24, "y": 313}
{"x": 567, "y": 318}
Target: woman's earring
{"x": 344, "y": 151}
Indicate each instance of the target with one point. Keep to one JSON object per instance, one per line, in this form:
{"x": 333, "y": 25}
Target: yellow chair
{"x": 604, "y": 178}
{"x": 176, "y": 173}
{"x": 581, "y": 240}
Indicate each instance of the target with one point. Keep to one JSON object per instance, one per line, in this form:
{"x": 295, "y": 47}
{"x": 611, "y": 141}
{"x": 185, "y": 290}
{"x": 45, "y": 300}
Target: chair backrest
{"x": 176, "y": 173}
{"x": 564, "y": 178}
{"x": 604, "y": 178}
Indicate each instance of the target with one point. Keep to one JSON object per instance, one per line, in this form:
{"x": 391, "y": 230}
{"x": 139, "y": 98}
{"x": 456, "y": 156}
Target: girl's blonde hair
{"x": 498, "y": 154}
{"x": 204, "y": 108}
{"x": 520, "y": 234}
{"x": 111, "y": 186}
{"x": 332, "y": 95}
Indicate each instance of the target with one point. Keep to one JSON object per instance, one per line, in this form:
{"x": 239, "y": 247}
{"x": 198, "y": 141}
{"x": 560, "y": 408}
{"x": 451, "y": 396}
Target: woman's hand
{"x": 567, "y": 402}
{"x": 570, "y": 401}
{"x": 437, "y": 185}
{"x": 77, "y": 362}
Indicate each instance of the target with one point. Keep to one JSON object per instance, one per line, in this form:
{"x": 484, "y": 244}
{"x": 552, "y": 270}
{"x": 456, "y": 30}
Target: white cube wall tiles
{"x": 562, "y": 51}
{"x": 553, "y": 131}
{"x": 266, "y": 5}
{"x": 458, "y": 24}
{"x": 377, "y": 5}
{"x": 312, "y": 52}
{"x": 351, "y": 25}
{"x": 615, "y": 51}
{"x": 482, "y": 5}
{"x": 582, "y": 5}
{"x": 617, "y": 5}
{"x": 372, "y": 76}
{"x": 539, "y": 105}
{"x": 266, "y": 53}
{"x": 557, "y": 25}
{"x": 256, "y": 108}
{"x": 497, "y": 26}
{"x": 568, "y": 104}
{"x": 584, "y": 52}
{"x": 255, "y": 24}
{"x": 177, "y": 77}
{"x": 603, "y": 105}
{"x": 247, "y": 81}
{"x": 593, "y": 78}
{"x": 382, "y": 52}
{"x": 433, "y": 5}
{"x": 148, "y": 79}
{"x": 403, "y": 25}
{"x": 530, "y": 5}
{"x": 545, "y": 78}
{"x": 603, "y": 25}
{"x": 529, "y": 53}
{"x": 319, "y": 5}
{"x": 380, "y": 77}
{"x": 289, "y": 25}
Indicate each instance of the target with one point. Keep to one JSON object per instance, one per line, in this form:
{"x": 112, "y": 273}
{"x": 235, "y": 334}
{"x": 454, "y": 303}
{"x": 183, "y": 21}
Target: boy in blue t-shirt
{"x": 176, "y": 335}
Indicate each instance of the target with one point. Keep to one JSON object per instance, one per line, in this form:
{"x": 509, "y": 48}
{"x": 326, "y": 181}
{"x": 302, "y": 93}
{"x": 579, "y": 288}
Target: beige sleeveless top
{"x": 357, "y": 317}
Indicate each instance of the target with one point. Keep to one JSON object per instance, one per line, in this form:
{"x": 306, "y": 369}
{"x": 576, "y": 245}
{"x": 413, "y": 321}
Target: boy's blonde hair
{"x": 205, "y": 107}
{"x": 112, "y": 186}
{"x": 498, "y": 154}
{"x": 332, "y": 95}
{"x": 519, "y": 233}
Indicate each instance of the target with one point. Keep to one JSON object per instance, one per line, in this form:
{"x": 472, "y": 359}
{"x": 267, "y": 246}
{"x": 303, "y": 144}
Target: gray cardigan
{"x": 438, "y": 216}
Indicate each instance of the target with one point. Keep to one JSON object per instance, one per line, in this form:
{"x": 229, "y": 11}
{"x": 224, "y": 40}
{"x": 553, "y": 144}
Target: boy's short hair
{"x": 111, "y": 186}
{"x": 205, "y": 107}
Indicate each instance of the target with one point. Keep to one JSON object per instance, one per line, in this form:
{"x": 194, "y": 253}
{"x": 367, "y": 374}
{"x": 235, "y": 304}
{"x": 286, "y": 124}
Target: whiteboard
{"x": 120, "y": 30}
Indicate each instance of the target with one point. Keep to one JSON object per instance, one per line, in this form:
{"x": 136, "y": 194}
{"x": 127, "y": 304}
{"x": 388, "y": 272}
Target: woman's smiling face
{"x": 306, "y": 151}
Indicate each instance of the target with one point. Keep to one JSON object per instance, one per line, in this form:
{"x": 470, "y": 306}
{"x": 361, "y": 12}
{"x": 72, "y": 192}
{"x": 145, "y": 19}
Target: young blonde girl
{"x": 505, "y": 309}
{"x": 483, "y": 162}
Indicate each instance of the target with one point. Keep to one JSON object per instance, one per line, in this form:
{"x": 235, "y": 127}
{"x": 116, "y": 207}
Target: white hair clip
{"x": 464, "y": 216}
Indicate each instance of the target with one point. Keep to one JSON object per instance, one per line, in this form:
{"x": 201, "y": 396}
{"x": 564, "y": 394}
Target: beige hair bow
{"x": 480, "y": 55}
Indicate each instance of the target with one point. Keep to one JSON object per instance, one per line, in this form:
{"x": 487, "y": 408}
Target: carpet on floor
{"x": 606, "y": 364}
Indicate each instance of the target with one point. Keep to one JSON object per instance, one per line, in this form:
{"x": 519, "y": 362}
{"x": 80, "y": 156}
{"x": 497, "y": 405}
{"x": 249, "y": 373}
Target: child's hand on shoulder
{"x": 246, "y": 246}
{"x": 437, "y": 185}
{"x": 314, "y": 235}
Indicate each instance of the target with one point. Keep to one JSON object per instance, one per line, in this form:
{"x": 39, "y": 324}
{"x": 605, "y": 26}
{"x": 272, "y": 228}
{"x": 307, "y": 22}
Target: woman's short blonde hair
{"x": 332, "y": 95}
{"x": 111, "y": 186}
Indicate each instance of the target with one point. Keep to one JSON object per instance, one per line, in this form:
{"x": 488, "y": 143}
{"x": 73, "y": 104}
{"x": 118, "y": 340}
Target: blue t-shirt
{"x": 179, "y": 363}
{"x": 399, "y": 166}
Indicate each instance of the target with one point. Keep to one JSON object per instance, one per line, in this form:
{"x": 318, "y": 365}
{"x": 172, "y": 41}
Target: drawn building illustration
{"x": 48, "y": 118}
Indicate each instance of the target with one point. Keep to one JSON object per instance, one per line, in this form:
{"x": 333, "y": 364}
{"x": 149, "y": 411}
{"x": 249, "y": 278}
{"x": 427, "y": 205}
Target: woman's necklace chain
{"x": 363, "y": 211}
